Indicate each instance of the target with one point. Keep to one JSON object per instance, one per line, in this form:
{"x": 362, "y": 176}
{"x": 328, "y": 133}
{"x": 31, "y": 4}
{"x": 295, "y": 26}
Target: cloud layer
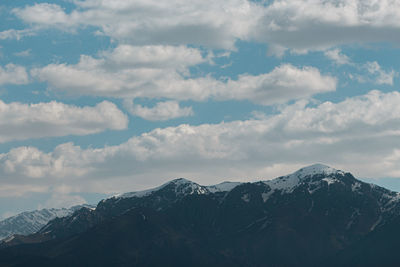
{"x": 162, "y": 111}
{"x": 359, "y": 134}
{"x": 163, "y": 72}
{"x": 24, "y": 121}
{"x": 300, "y": 25}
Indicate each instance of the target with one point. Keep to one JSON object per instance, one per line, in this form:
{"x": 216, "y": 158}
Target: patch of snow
{"x": 376, "y": 223}
{"x": 311, "y": 207}
{"x": 222, "y": 187}
{"x": 355, "y": 213}
{"x": 330, "y": 180}
{"x": 265, "y": 196}
{"x": 183, "y": 186}
{"x": 246, "y": 198}
{"x": 286, "y": 184}
{"x": 30, "y": 222}
{"x": 142, "y": 193}
{"x": 316, "y": 169}
{"x": 9, "y": 239}
{"x": 355, "y": 187}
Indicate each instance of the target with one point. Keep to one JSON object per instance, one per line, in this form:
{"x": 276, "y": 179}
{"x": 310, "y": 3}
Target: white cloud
{"x": 24, "y": 121}
{"x": 160, "y": 112}
{"x": 210, "y": 23}
{"x": 369, "y": 72}
{"x": 304, "y": 25}
{"x": 13, "y": 74}
{"x": 130, "y": 72}
{"x": 338, "y": 57}
{"x": 299, "y": 25}
{"x": 15, "y": 34}
{"x": 61, "y": 200}
{"x": 24, "y": 53}
{"x": 382, "y": 77}
{"x": 358, "y": 134}
{"x": 285, "y": 82}
{"x": 162, "y": 72}
{"x": 372, "y": 72}
{"x": 46, "y": 14}
{"x": 152, "y": 56}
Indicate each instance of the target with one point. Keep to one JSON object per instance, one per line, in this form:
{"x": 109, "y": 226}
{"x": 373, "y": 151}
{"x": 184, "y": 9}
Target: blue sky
{"x": 99, "y": 97}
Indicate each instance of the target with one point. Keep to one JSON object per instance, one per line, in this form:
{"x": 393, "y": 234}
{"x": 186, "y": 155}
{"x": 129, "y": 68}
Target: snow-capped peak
{"x": 289, "y": 182}
{"x": 181, "y": 186}
{"x": 29, "y": 222}
{"x": 315, "y": 169}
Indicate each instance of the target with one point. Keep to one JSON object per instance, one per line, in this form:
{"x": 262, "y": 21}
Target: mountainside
{"x": 30, "y": 222}
{"x": 313, "y": 217}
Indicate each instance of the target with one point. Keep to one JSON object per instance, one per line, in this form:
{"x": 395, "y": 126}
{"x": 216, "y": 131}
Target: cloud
{"x": 299, "y": 25}
{"x": 336, "y": 56}
{"x": 15, "y": 34}
{"x": 211, "y": 23}
{"x": 58, "y": 201}
{"x": 24, "y": 53}
{"x": 303, "y": 25}
{"x": 358, "y": 134}
{"x": 130, "y": 72}
{"x": 283, "y": 83}
{"x": 372, "y": 72}
{"x": 163, "y": 72}
{"x": 162, "y": 111}
{"x": 13, "y": 74}
{"x": 382, "y": 77}
{"x": 46, "y": 14}
{"x": 20, "y": 121}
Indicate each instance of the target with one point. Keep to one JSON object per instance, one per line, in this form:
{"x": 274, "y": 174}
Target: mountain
{"x": 30, "y": 222}
{"x": 316, "y": 216}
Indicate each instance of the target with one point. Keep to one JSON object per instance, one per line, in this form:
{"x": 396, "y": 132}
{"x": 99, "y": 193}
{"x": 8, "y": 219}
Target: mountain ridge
{"x": 304, "y": 218}
{"x": 29, "y": 222}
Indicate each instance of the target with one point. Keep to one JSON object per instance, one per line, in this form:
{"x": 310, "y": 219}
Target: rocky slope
{"x": 30, "y": 222}
{"x": 312, "y": 217}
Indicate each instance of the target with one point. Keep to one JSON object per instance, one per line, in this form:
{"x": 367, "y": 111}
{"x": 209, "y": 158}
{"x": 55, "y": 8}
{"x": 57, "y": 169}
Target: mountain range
{"x": 30, "y": 222}
{"x": 317, "y": 216}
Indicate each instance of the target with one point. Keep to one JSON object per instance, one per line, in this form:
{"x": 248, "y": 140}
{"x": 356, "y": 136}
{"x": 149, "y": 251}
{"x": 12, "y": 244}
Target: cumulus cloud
{"x": 382, "y": 77}
{"x": 20, "y": 121}
{"x": 163, "y": 72}
{"x": 13, "y": 74}
{"x": 303, "y": 25}
{"x": 336, "y": 56}
{"x": 285, "y": 82}
{"x": 211, "y": 23}
{"x": 358, "y": 134}
{"x": 372, "y": 72}
{"x": 162, "y": 111}
{"x": 299, "y": 25}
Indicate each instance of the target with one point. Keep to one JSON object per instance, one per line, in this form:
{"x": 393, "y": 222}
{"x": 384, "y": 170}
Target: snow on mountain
{"x": 30, "y": 222}
{"x": 286, "y": 184}
{"x": 222, "y": 187}
{"x": 180, "y": 186}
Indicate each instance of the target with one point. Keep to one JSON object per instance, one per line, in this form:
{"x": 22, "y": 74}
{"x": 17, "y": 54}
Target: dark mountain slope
{"x": 378, "y": 248}
{"x": 303, "y": 219}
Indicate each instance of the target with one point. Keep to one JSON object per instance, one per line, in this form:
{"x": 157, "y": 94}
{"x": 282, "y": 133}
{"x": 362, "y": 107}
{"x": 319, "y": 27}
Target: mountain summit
{"x": 313, "y": 217}
{"x": 316, "y": 169}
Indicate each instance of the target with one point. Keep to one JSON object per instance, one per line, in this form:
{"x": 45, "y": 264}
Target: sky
{"x": 100, "y": 97}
